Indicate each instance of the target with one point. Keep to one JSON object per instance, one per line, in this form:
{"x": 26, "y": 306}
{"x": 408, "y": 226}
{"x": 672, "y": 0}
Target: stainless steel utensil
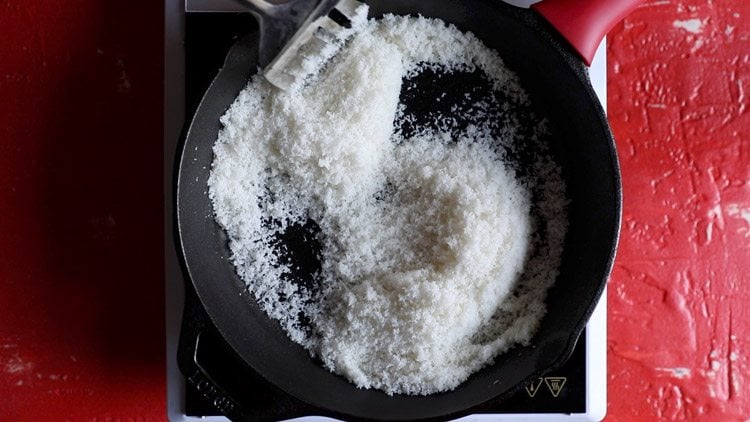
{"x": 298, "y": 35}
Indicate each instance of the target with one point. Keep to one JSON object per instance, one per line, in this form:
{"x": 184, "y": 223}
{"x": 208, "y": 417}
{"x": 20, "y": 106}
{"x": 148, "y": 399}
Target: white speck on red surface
{"x": 694, "y": 26}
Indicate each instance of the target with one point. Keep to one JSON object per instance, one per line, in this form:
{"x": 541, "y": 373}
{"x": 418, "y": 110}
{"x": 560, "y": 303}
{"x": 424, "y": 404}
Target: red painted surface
{"x": 679, "y": 298}
{"x": 81, "y": 285}
{"x": 81, "y": 289}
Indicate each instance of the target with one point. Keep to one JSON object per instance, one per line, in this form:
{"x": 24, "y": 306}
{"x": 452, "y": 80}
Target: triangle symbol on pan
{"x": 533, "y": 387}
{"x": 555, "y": 384}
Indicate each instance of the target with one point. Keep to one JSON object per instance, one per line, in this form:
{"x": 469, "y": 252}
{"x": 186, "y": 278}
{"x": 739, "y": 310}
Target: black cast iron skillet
{"x": 559, "y": 88}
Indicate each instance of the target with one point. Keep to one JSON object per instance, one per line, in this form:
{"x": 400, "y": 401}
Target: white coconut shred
{"x": 432, "y": 253}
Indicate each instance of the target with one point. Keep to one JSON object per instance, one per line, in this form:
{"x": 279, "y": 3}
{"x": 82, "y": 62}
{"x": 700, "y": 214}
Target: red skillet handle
{"x": 585, "y": 22}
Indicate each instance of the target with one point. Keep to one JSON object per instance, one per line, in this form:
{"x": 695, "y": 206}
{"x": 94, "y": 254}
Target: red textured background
{"x": 679, "y": 296}
{"x": 81, "y": 287}
{"x": 81, "y": 266}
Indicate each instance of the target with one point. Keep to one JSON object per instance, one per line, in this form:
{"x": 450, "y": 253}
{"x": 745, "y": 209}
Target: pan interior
{"x": 580, "y": 142}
